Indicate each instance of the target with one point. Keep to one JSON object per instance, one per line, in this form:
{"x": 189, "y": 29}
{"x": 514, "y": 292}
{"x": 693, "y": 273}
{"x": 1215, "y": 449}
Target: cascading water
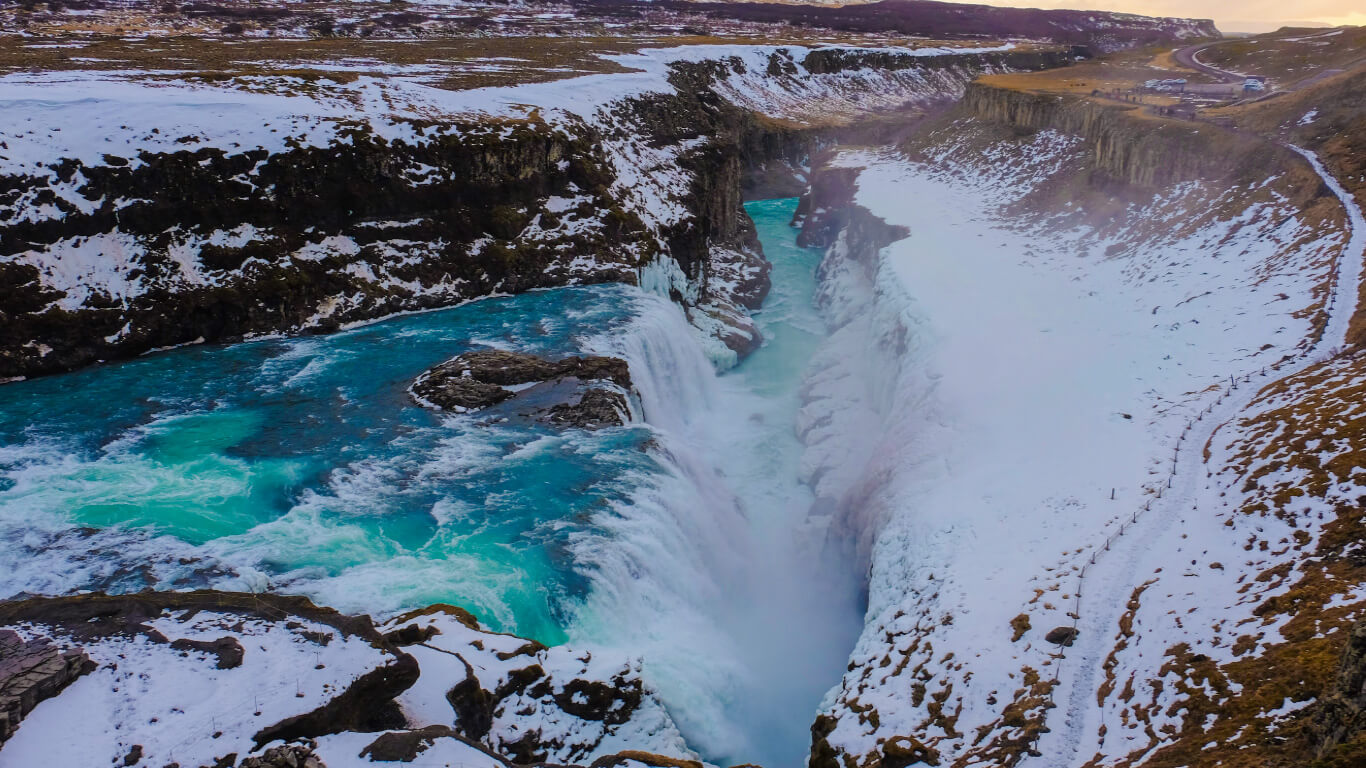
{"x": 302, "y": 465}
{"x": 712, "y": 574}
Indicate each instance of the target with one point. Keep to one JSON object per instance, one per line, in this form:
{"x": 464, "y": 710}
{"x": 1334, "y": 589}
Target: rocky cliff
{"x": 155, "y": 249}
{"x": 1126, "y": 144}
{"x": 171, "y": 227}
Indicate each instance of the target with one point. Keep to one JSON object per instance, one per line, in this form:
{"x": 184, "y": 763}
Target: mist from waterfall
{"x": 713, "y": 573}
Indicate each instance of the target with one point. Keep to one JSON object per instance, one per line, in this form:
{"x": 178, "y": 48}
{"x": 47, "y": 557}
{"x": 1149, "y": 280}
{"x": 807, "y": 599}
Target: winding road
{"x": 1189, "y": 57}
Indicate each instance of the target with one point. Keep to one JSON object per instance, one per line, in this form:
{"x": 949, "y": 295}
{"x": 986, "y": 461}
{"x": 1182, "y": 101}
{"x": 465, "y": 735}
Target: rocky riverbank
{"x": 296, "y": 211}
{"x": 235, "y": 679}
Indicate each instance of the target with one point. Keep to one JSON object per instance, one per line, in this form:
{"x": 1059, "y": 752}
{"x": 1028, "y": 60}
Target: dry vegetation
{"x": 470, "y": 46}
{"x": 1301, "y": 458}
{"x": 1123, "y": 70}
{"x": 1291, "y": 56}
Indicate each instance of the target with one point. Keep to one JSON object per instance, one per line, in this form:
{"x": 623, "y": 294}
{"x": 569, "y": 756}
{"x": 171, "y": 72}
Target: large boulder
{"x": 523, "y": 701}
{"x": 589, "y": 391}
{"x": 1063, "y": 636}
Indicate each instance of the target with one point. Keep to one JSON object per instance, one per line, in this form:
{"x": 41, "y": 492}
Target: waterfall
{"x": 713, "y": 572}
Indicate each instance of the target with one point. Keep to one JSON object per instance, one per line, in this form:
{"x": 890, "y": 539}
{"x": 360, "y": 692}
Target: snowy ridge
{"x": 560, "y": 704}
{"x": 194, "y": 686}
{"x": 1034, "y": 357}
{"x": 65, "y": 138}
{"x": 181, "y": 705}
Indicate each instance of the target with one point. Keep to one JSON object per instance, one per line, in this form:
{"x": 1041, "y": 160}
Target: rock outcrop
{"x": 31, "y": 671}
{"x": 1125, "y": 145}
{"x": 321, "y": 683}
{"x": 522, "y": 700}
{"x": 592, "y": 390}
{"x": 285, "y": 756}
{"x": 1341, "y": 715}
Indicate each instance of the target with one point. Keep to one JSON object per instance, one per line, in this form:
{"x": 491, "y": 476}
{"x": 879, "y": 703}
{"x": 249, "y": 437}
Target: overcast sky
{"x": 1230, "y": 15}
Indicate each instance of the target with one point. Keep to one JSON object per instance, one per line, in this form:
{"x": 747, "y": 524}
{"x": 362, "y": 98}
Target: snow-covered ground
{"x": 1260, "y": 480}
{"x": 58, "y": 128}
{"x": 159, "y": 702}
{"x": 1003, "y": 393}
{"x": 179, "y": 705}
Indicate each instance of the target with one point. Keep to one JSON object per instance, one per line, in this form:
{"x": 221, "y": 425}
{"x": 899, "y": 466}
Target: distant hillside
{"x": 1103, "y": 30}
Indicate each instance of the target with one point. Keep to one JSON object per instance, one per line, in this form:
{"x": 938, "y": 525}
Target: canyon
{"x": 927, "y": 379}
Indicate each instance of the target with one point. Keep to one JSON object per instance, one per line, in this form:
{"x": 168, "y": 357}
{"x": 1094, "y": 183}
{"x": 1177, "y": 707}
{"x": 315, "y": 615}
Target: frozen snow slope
{"x": 1006, "y": 387}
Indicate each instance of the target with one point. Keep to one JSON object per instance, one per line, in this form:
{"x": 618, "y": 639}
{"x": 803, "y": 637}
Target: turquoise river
{"x": 303, "y": 465}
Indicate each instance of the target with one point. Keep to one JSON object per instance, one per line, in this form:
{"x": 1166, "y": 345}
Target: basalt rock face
{"x": 31, "y": 671}
{"x": 1125, "y": 146}
{"x": 828, "y": 211}
{"x": 716, "y": 248}
{"x": 106, "y": 260}
{"x": 1341, "y": 715}
{"x": 831, "y": 60}
{"x": 592, "y": 389}
{"x": 213, "y": 245}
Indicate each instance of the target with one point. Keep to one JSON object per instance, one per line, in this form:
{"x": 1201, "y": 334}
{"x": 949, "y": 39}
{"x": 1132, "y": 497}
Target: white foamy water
{"x": 713, "y": 573}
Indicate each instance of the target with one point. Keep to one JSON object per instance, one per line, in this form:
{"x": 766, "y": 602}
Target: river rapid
{"x": 302, "y": 465}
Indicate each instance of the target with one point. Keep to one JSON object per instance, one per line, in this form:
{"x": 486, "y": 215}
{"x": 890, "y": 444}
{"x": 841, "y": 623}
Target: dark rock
{"x": 473, "y": 705}
{"x": 645, "y": 758}
{"x": 93, "y": 615}
{"x": 459, "y": 393}
{"x": 1063, "y": 636}
{"x": 411, "y": 634}
{"x": 30, "y": 672}
{"x": 822, "y": 754}
{"x": 518, "y": 680}
{"x": 460, "y": 614}
{"x": 904, "y": 751}
{"x": 1341, "y": 714}
{"x": 286, "y": 756}
{"x": 528, "y": 749}
{"x": 480, "y": 379}
{"x": 405, "y": 746}
{"x": 227, "y": 649}
{"x": 367, "y": 705}
{"x": 594, "y": 700}
{"x": 529, "y": 648}
{"x": 596, "y": 407}
{"x": 133, "y": 756}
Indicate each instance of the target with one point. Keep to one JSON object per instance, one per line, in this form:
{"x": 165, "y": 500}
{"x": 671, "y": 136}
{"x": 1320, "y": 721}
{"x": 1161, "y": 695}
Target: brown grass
{"x": 1299, "y": 661}
{"x": 452, "y": 62}
{"x": 1292, "y": 56}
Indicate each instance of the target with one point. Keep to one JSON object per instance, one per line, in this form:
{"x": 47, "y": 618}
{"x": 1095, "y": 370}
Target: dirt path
{"x": 1112, "y": 570}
